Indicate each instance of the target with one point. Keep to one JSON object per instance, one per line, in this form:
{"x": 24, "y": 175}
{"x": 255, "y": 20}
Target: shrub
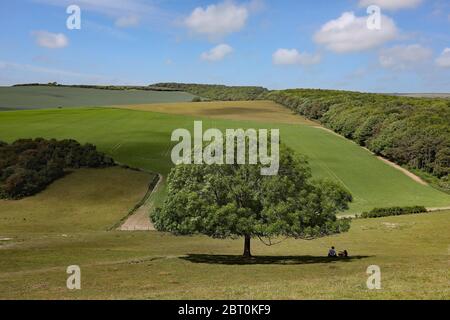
{"x": 393, "y": 211}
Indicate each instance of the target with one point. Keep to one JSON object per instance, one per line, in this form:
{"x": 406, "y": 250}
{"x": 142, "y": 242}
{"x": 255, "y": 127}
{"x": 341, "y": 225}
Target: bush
{"x": 393, "y": 211}
{"x": 197, "y": 99}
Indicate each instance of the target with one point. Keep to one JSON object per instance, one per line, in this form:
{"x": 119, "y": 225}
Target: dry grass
{"x": 412, "y": 252}
{"x": 262, "y": 111}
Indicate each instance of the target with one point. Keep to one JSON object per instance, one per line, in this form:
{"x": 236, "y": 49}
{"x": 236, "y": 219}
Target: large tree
{"x": 231, "y": 201}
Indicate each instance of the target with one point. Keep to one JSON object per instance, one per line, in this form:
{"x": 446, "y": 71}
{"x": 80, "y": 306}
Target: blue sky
{"x": 276, "y": 44}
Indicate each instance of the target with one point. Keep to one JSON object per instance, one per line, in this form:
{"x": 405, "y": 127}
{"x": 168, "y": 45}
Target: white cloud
{"x": 349, "y": 33}
{"x": 293, "y": 57}
{"x": 50, "y": 40}
{"x": 405, "y": 57}
{"x": 217, "y": 20}
{"x": 391, "y": 4}
{"x": 217, "y": 53}
{"x": 444, "y": 59}
{"x": 127, "y": 21}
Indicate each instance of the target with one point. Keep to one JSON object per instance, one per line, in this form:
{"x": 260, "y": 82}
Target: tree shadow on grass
{"x": 262, "y": 260}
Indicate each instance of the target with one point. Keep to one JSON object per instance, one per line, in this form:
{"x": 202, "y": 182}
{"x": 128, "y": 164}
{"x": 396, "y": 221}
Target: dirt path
{"x": 438, "y": 209}
{"x": 406, "y": 172}
{"x": 140, "y": 220}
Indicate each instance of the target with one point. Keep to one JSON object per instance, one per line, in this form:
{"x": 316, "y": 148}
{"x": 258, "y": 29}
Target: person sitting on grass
{"x": 332, "y": 253}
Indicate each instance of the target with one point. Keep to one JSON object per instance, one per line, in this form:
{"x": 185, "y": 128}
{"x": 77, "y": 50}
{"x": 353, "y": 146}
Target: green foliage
{"x": 408, "y": 131}
{"x": 394, "y": 211}
{"x": 197, "y": 99}
{"x": 27, "y": 166}
{"x": 228, "y": 201}
{"x": 218, "y": 92}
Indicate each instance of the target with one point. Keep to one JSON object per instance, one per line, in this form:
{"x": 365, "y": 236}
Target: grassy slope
{"x": 66, "y": 225}
{"x": 40, "y": 97}
{"x": 412, "y": 252}
{"x": 142, "y": 139}
{"x": 75, "y": 202}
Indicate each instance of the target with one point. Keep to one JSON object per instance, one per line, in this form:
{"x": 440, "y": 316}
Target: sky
{"x": 361, "y": 45}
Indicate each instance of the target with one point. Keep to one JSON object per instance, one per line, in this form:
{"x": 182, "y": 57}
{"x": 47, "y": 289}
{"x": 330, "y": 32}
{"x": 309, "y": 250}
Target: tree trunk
{"x": 247, "y": 252}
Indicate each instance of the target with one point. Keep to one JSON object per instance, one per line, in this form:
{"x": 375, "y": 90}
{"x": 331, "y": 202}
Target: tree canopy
{"x": 27, "y": 166}
{"x": 231, "y": 201}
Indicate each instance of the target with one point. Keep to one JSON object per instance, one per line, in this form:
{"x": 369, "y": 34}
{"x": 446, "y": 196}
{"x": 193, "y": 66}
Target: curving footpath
{"x": 139, "y": 220}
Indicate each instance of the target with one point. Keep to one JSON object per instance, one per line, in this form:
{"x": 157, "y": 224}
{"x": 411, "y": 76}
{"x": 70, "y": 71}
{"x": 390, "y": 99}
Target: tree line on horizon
{"x": 218, "y": 92}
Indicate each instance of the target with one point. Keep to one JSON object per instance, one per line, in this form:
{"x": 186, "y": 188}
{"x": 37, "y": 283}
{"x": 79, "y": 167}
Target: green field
{"x": 69, "y": 222}
{"x": 67, "y": 225}
{"x": 38, "y": 97}
{"x": 142, "y": 139}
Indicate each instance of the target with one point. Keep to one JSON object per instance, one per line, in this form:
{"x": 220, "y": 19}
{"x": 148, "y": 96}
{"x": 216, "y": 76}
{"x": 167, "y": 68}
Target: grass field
{"x": 39, "y": 97}
{"x": 262, "y": 111}
{"x": 412, "y": 252}
{"x": 75, "y": 203}
{"x": 142, "y": 139}
{"x": 67, "y": 224}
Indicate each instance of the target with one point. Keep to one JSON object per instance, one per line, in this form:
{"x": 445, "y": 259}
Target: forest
{"x": 27, "y": 166}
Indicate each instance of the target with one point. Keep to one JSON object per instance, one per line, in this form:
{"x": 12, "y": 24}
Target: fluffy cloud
{"x": 217, "y": 53}
{"x": 444, "y": 59}
{"x": 349, "y": 33}
{"x": 293, "y": 57}
{"x": 391, "y": 4}
{"x": 217, "y": 20}
{"x": 50, "y": 40}
{"x": 405, "y": 57}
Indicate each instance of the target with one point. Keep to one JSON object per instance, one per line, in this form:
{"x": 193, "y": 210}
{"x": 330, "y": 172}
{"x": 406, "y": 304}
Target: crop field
{"x": 41, "y": 97}
{"x": 142, "y": 139}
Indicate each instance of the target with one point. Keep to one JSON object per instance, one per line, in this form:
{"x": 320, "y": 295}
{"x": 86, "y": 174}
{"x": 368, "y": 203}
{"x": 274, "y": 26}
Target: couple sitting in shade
{"x": 332, "y": 253}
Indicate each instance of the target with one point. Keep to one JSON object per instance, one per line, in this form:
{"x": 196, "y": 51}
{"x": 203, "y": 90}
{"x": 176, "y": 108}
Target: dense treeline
{"x": 100, "y": 87}
{"x": 218, "y": 92}
{"x": 408, "y": 131}
{"x": 27, "y": 166}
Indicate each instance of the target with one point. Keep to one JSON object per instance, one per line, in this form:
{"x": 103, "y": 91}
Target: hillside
{"x": 411, "y": 132}
{"x": 142, "y": 139}
{"x": 41, "y": 97}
